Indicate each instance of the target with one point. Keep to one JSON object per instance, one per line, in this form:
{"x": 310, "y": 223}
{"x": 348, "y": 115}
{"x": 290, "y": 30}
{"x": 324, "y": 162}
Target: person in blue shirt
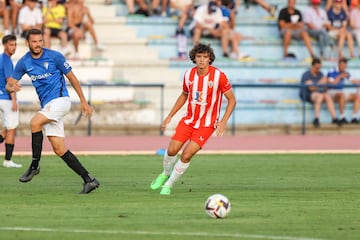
{"x": 8, "y": 103}
{"x": 46, "y": 69}
{"x": 339, "y": 28}
{"x": 337, "y": 77}
{"x": 315, "y": 93}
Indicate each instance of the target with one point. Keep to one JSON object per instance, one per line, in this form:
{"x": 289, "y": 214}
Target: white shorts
{"x": 55, "y": 110}
{"x": 9, "y": 118}
{"x": 332, "y": 92}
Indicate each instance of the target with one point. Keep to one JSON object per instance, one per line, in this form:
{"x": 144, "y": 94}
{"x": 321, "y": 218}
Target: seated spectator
{"x": 13, "y": 7}
{"x": 317, "y": 23}
{"x": 315, "y": 93}
{"x": 291, "y": 26}
{"x": 183, "y": 9}
{"x": 80, "y": 21}
{"x": 30, "y": 17}
{"x": 53, "y": 17}
{"x": 271, "y": 9}
{"x": 153, "y": 10}
{"x": 338, "y": 29}
{"x": 345, "y": 4}
{"x": 355, "y": 25}
{"x": 4, "y": 13}
{"x": 337, "y": 77}
{"x": 234, "y": 37}
{"x": 209, "y": 22}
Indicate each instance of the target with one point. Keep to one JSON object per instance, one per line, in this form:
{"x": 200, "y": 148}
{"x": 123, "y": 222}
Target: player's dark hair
{"x": 315, "y": 61}
{"x": 202, "y": 48}
{"x": 343, "y": 60}
{"x": 33, "y": 31}
{"x": 8, "y": 38}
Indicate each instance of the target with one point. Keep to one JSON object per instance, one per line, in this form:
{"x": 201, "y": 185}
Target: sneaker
{"x": 355, "y": 121}
{"x": 166, "y": 190}
{"x": 11, "y": 164}
{"x": 316, "y": 123}
{"x": 29, "y": 174}
{"x": 89, "y": 186}
{"x": 99, "y": 47}
{"x": 243, "y": 55}
{"x": 344, "y": 121}
{"x": 159, "y": 181}
{"x": 336, "y": 121}
{"x": 273, "y": 9}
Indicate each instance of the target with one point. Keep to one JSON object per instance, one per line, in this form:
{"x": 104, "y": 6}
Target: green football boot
{"x": 159, "y": 181}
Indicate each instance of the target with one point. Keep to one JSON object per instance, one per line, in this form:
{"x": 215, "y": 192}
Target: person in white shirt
{"x": 30, "y": 17}
{"x": 318, "y": 24}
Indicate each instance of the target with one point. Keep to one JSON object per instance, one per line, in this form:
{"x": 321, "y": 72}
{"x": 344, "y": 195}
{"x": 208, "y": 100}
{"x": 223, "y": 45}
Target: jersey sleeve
{"x": 62, "y": 64}
{"x": 8, "y": 68}
{"x": 19, "y": 70}
{"x": 225, "y": 84}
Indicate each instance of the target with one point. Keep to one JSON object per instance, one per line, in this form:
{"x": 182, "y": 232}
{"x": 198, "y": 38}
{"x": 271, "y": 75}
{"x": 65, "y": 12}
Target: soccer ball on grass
{"x": 217, "y": 206}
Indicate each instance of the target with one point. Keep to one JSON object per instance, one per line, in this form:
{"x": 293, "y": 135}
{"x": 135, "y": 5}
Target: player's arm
{"x": 12, "y": 85}
{"x": 231, "y": 103}
{"x": 178, "y": 104}
{"x": 85, "y": 107}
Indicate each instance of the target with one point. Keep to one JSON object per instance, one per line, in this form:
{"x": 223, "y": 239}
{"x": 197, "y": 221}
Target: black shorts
{"x": 54, "y": 32}
{"x": 306, "y": 97}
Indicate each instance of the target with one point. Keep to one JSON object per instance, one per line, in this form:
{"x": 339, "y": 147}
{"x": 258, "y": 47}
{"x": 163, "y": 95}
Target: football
{"x": 217, "y": 206}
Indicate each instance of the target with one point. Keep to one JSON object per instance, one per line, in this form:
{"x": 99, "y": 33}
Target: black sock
{"x": 1, "y": 138}
{"x": 37, "y": 142}
{"x": 9, "y": 149}
{"x": 73, "y": 162}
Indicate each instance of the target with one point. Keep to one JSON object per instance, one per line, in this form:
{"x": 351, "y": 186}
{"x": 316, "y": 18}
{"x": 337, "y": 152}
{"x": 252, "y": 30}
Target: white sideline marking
{"x": 191, "y": 234}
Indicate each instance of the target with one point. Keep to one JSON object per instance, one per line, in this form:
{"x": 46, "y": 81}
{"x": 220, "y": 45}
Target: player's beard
{"x": 36, "y": 51}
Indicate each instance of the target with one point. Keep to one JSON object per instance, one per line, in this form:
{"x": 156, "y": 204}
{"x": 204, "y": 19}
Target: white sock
{"x": 178, "y": 171}
{"x": 168, "y": 163}
{"x": 342, "y": 116}
{"x": 354, "y": 115}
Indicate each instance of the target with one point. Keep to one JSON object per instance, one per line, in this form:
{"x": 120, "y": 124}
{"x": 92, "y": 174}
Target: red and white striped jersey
{"x": 204, "y": 96}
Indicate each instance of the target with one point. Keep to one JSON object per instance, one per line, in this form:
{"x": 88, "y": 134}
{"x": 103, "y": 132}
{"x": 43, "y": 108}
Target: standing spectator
{"x": 80, "y": 21}
{"x": 318, "y": 24}
{"x": 291, "y": 26}
{"x": 203, "y": 88}
{"x": 53, "y": 17}
{"x": 8, "y": 103}
{"x": 47, "y": 69}
{"x": 338, "y": 29}
{"x": 315, "y": 93}
{"x": 30, "y": 17}
{"x": 337, "y": 77}
{"x": 355, "y": 25}
{"x": 209, "y": 22}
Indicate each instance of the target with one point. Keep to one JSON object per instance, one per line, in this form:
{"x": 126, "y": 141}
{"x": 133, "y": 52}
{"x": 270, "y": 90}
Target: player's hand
{"x": 165, "y": 123}
{"x": 14, "y": 87}
{"x": 14, "y": 107}
{"x": 86, "y": 110}
{"x": 220, "y": 128}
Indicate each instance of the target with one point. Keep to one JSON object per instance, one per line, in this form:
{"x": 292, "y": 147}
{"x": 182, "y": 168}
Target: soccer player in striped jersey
{"x": 203, "y": 88}
{"x": 46, "y": 69}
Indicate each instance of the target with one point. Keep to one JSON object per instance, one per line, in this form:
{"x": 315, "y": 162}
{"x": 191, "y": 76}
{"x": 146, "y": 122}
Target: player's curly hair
{"x": 202, "y": 48}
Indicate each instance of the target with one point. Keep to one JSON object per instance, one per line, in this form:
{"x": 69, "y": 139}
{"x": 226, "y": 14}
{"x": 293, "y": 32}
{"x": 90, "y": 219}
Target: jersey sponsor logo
{"x": 199, "y": 99}
{"x": 40, "y": 76}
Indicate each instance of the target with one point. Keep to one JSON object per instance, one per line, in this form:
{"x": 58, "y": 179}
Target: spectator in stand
{"x": 4, "y": 13}
{"x": 345, "y": 4}
{"x": 234, "y": 37}
{"x": 291, "y": 26}
{"x": 209, "y": 22}
{"x": 153, "y": 10}
{"x": 54, "y": 15}
{"x": 355, "y": 25}
{"x": 338, "y": 29}
{"x": 315, "y": 93}
{"x": 80, "y": 21}
{"x": 317, "y": 23}
{"x": 337, "y": 77}
{"x": 14, "y": 6}
{"x": 30, "y": 17}
{"x": 271, "y": 9}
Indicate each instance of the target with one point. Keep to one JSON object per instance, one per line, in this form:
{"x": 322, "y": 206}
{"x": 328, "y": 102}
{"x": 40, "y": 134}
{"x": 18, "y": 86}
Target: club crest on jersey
{"x": 46, "y": 65}
{"x": 211, "y": 83}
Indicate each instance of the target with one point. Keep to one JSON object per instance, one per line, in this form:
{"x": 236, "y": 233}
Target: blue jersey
{"x": 336, "y": 19}
{"x": 332, "y": 75}
{"x": 46, "y": 74}
{"x": 6, "y": 70}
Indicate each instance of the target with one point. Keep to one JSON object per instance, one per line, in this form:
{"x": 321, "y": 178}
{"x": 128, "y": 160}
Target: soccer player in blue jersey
{"x": 46, "y": 69}
{"x": 8, "y": 104}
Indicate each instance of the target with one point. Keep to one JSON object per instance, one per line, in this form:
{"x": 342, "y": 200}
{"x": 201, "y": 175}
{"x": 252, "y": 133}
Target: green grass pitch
{"x": 275, "y": 196}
